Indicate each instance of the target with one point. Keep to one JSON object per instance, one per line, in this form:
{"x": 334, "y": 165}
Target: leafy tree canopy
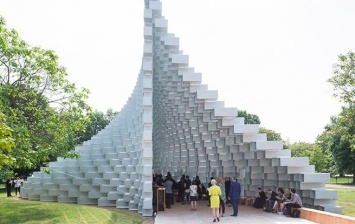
{"x": 6, "y": 144}
{"x": 322, "y": 161}
{"x": 338, "y": 139}
{"x": 98, "y": 121}
{"x": 344, "y": 78}
{"x": 339, "y": 136}
{"x": 248, "y": 118}
{"x": 44, "y": 110}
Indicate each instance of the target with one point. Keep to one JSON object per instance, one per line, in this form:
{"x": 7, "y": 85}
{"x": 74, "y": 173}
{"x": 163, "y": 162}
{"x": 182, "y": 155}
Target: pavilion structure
{"x": 173, "y": 123}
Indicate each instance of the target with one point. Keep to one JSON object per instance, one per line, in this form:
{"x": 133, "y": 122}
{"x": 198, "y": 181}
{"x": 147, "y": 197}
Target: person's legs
{"x": 289, "y": 206}
{"x": 282, "y": 205}
{"x": 192, "y": 205}
{"x": 8, "y": 190}
{"x": 170, "y": 198}
{"x": 237, "y": 206}
{"x": 234, "y": 204}
{"x": 223, "y": 206}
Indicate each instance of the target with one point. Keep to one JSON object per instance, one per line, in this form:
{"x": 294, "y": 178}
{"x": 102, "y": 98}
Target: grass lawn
{"x": 346, "y": 199}
{"x": 341, "y": 180}
{"x": 14, "y": 210}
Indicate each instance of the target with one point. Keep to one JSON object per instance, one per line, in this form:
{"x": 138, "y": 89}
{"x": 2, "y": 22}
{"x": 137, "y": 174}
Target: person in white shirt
{"x": 193, "y": 195}
{"x": 17, "y": 182}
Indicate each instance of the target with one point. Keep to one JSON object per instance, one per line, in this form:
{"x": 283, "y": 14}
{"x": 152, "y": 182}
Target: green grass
{"x": 25, "y": 211}
{"x": 346, "y": 199}
{"x": 341, "y": 180}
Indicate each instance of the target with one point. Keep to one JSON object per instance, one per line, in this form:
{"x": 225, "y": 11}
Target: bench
{"x": 325, "y": 217}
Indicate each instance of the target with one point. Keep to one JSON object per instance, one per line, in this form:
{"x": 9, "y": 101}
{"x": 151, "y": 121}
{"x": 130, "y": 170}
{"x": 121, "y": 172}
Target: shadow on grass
{"x": 22, "y": 212}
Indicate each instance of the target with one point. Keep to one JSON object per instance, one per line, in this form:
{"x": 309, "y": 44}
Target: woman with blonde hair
{"x": 214, "y": 193}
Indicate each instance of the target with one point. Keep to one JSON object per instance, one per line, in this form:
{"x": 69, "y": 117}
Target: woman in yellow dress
{"x": 214, "y": 192}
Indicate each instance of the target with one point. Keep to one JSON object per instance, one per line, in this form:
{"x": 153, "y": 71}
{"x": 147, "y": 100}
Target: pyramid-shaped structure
{"x": 173, "y": 123}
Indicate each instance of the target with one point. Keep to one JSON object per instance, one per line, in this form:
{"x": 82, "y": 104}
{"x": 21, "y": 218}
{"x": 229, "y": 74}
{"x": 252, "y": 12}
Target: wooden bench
{"x": 325, "y": 217}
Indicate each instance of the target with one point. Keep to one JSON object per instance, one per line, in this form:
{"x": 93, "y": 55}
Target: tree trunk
{"x": 353, "y": 178}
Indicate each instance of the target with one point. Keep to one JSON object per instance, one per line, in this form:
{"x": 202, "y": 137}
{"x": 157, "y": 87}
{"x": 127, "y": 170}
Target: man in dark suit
{"x": 234, "y": 194}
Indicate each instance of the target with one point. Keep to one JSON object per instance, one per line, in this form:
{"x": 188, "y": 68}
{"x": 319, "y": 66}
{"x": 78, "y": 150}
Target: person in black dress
{"x": 260, "y": 200}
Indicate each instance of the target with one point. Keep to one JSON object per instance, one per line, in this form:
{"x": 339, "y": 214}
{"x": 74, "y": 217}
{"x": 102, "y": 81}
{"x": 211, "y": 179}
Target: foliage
{"x": 338, "y": 139}
{"x": 271, "y": 134}
{"x": 248, "y": 118}
{"x": 38, "y": 212}
{"x": 98, "y": 121}
{"x": 344, "y": 78}
{"x": 6, "y": 144}
{"x": 315, "y": 154}
{"x": 44, "y": 110}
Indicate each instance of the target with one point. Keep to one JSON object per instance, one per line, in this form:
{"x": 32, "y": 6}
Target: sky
{"x": 270, "y": 58}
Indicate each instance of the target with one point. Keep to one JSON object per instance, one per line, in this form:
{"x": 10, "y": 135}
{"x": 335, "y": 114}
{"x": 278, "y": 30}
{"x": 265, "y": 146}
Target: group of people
{"x": 188, "y": 190}
{"x": 281, "y": 202}
{"x": 220, "y": 192}
{"x": 218, "y": 196}
{"x": 13, "y": 183}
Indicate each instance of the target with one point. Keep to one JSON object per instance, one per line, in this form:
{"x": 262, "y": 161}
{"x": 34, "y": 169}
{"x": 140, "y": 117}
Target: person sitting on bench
{"x": 296, "y": 202}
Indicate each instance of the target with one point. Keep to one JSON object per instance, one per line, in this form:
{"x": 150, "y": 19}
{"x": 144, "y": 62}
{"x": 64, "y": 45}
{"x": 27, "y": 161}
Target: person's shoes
{"x": 214, "y": 220}
{"x": 217, "y": 219}
{"x": 222, "y": 215}
{"x": 234, "y": 215}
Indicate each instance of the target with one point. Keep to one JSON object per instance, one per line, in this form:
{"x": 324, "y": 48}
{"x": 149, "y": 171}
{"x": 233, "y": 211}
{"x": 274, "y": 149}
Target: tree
{"x": 44, "y": 110}
{"x": 248, "y": 118}
{"x": 271, "y": 134}
{"x": 315, "y": 154}
{"x": 338, "y": 139}
{"x": 98, "y": 121}
{"x": 6, "y": 144}
{"x": 339, "y": 136}
{"x": 344, "y": 78}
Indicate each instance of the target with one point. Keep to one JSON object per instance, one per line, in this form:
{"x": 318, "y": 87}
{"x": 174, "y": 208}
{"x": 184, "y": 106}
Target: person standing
{"x": 193, "y": 195}
{"x": 214, "y": 192}
{"x": 227, "y": 184}
{"x": 187, "y": 187}
{"x": 208, "y": 194}
{"x": 8, "y": 187}
{"x": 168, "y": 184}
{"x": 182, "y": 185}
{"x": 234, "y": 194}
{"x": 198, "y": 184}
{"x": 17, "y": 182}
{"x": 222, "y": 198}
